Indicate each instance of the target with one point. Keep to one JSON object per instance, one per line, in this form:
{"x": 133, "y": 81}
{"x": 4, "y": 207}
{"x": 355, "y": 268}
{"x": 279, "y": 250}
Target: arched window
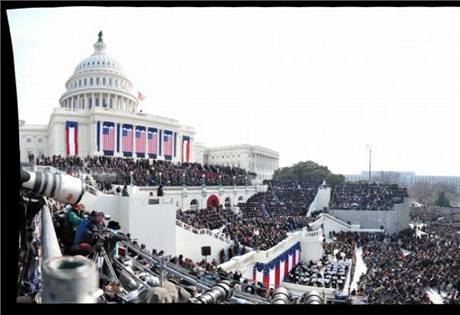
{"x": 194, "y": 204}
{"x": 103, "y": 81}
{"x": 97, "y": 81}
{"x": 90, "y": 81}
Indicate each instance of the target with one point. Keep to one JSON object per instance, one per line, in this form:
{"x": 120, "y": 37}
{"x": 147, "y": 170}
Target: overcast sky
{"x": 311, "y": 83}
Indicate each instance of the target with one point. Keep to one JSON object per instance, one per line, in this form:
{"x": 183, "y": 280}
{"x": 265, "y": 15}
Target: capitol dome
{"x": 99, "y": 81}
{"x": 99, "y": 61}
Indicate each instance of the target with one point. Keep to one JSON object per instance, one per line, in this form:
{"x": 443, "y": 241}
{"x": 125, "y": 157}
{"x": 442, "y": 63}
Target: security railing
{"x": 201, "y": 283}
{"x": 65, "y": 279}
{"x": 190, "y": 228}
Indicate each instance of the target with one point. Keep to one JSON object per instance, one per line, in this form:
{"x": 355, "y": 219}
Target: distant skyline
{"x": 311, "y": 83}
{"x": 376, "y": 172}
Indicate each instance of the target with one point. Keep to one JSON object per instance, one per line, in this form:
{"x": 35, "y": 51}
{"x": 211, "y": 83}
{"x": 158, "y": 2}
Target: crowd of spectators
{"x": 395, "y": 277}
{"x": 282, "y": 198}
{"x": 323, "y": 274}
{"x": 264, "y": 232}
{"x": 249, "y": 229}
{"x": 364, "y": 196}
{"x": 145, "y": 172}
{"x": 264, "y": 220}
{"x": 210, "y": 218}
{"x": 401, "y": 267}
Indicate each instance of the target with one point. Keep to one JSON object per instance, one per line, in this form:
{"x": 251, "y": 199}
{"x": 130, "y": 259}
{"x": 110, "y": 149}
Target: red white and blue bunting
{"x": 71, "y": 137}
{"x": 272, "y": 273}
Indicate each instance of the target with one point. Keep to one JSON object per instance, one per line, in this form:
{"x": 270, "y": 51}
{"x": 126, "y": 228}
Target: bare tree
{"x": 422, "y": 192}
{"x": 425, "y": 192}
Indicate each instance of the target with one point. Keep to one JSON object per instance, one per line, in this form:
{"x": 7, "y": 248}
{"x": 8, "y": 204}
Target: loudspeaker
{"x": 206, "y": 250}
{"x": 160, "y": 191}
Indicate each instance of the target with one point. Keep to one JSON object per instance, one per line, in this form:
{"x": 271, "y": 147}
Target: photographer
{"x": 88, "y": 234}
{"x": 72, "y": 222}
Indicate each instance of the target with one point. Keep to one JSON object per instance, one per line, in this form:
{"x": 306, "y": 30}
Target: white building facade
{"x": 98, "y": 116}
{"x": 406, "y": 178}
{"x": 257, "y": 159}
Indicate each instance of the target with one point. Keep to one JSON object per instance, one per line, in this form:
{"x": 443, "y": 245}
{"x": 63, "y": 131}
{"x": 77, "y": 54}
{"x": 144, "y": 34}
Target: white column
{"x": 58, "y": 140}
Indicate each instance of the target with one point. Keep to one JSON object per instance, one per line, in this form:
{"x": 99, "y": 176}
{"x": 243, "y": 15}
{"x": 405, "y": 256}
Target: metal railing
{"x": 50, "y": 244}
{"x": 190, "y": 228}
{"x": 183, "y": 273}
{"x": 65, "y": 279}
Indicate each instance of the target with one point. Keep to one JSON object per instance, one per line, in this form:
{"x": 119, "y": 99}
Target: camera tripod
{"x": 100, "y": 257}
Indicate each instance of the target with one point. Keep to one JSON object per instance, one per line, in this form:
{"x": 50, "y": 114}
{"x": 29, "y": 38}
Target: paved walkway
{"x": 435, "y": 297}
{"x": 360, "y": 268}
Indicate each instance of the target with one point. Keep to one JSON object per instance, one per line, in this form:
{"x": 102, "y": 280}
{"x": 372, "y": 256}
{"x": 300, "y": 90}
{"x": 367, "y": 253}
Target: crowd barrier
{"x": 187, "y": 227}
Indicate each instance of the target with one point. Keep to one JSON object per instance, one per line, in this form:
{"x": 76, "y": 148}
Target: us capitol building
{"x": 98, "y": 115}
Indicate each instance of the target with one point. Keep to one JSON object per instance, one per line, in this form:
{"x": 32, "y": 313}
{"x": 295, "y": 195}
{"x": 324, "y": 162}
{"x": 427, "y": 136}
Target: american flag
{"x": 152, "y": 142}
{"x": 185, "y": 149}
{"x": 108, "y": 138}
{"x": 167, "y": 144}
{"x": 127, "y": 139}
{"x": 140, "y": 141}
{"x": 140, "y": 96}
